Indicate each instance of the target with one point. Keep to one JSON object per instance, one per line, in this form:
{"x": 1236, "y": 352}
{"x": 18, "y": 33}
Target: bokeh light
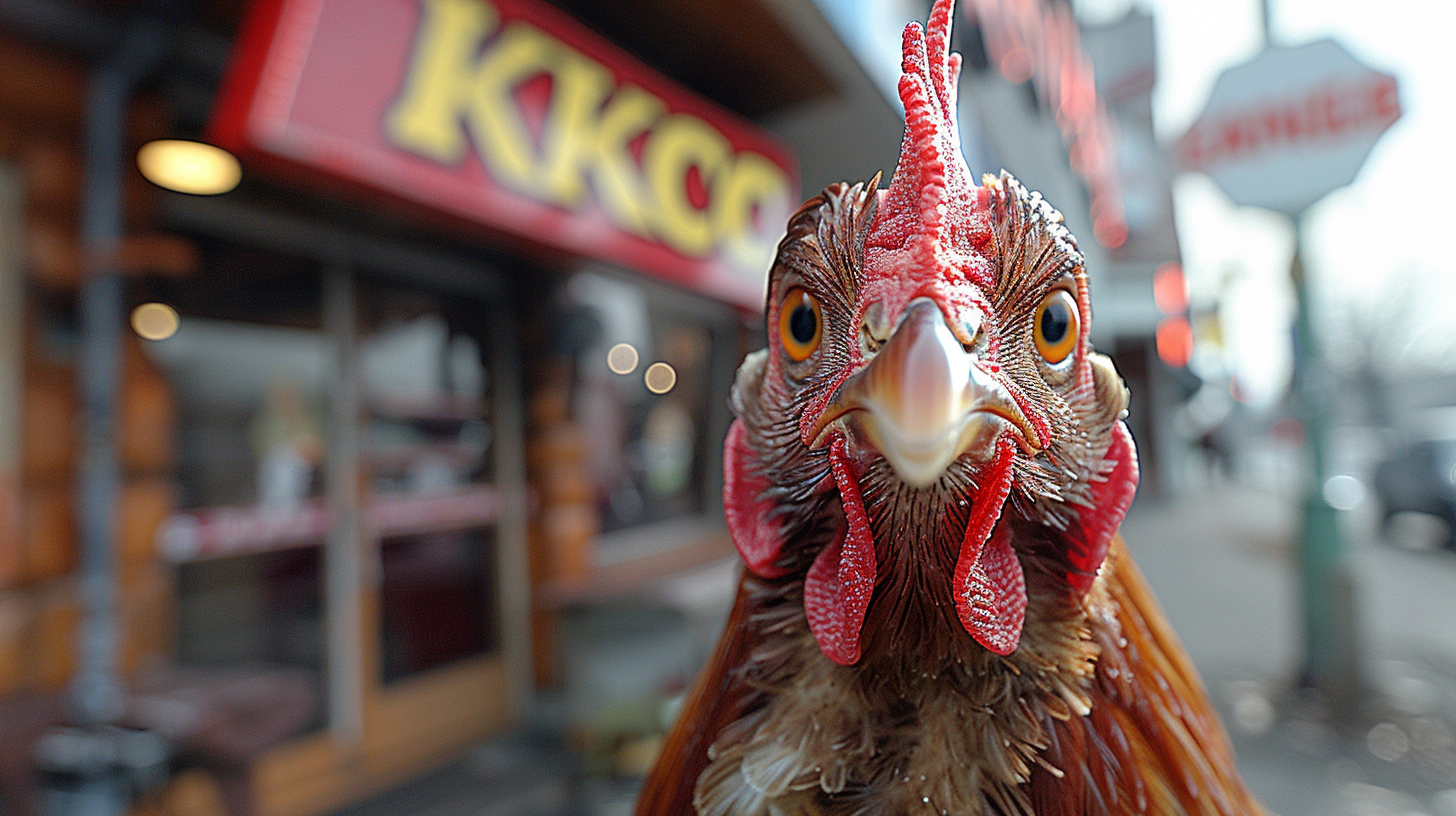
{"x": 1016, "y": 65}
{"x": 1170, "y": 290}
{"x": 1175, "y": 341}
{"x": 622, "y": 358}
{"x": 155, "y": 321}
{"x": 1344, "y": 492}
{"x": 660, "y": 378}
{"x": 189, "y": 167}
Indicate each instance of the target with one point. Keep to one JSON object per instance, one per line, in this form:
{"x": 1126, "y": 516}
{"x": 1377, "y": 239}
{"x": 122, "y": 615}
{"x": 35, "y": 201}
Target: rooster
{"x": 925, "y": 480}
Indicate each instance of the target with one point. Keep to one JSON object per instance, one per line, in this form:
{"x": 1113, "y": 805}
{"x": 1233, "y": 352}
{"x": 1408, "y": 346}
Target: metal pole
{"x": 1327, "y": 592}
{"x": 89, "y": 764}
{"x": 1326, "y": 586}
{"x": 514, "y": 573}
{"x": 96, "y": 692}
{"x": 344, "y": 568}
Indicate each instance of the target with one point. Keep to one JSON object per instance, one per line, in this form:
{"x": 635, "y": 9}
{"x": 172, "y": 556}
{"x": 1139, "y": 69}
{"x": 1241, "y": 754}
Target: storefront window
{"x": 435, "y": 590}
{"x": 425, "y": 383}
{"x": 432, "y": 502}
{"x": 252, "y": 401}
{"x": 252, "y": 610}
{"x": 650, "y": 427}
{"x": 254, "y": 370}
{"x": 249, "y": 365}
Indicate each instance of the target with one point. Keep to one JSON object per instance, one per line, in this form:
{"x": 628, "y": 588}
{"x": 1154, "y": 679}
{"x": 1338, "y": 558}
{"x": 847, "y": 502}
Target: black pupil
{"x": 802, "y": 323}
{"x": 1054, "y": 322}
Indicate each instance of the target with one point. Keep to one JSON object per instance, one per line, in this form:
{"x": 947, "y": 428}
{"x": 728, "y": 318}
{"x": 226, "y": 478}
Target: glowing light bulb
{"x": 155, "y": 321}
{"x": 189, "y": 167}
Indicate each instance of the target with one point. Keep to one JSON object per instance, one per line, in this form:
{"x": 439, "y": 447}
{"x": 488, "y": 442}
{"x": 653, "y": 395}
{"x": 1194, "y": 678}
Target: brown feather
{"x": 1153, "y": 743}
{"x": 713, "y": 703}
{"x": 1150, "y": 744}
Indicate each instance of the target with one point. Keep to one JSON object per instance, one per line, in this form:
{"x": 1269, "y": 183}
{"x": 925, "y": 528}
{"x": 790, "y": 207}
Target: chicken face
{"x": 928, "y": 366}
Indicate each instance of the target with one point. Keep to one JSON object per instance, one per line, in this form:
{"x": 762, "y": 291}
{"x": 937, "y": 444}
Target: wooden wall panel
{"x": 15, "y": 632}
{"x": 58, "y": 101}
{"x": 51, "y": 422}
{"x": 412, "y": 726}
{"x": 50, "y": 165}
{"x": 50, "y": 549}
{"x": 148, "y": 618}
{"x": 147, "y": 414}
{"x": 57, "y": 620}
{"x": 144, "y": 504}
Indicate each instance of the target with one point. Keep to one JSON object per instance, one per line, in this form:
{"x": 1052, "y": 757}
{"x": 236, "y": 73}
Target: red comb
{"x": 932, "y": 192}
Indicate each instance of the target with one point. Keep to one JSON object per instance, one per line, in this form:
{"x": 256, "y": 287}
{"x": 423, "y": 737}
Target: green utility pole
{"x": 1326, "y": 588}
{"x": 1302, "y": 159}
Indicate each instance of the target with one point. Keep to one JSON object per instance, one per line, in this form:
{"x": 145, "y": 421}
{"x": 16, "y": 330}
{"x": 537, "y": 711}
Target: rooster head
{"x": 928, "y": 380}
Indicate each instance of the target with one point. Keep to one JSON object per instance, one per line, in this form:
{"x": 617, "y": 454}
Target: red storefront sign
{"x": 1032, "y": 39}
{"x": 509, "y": 114}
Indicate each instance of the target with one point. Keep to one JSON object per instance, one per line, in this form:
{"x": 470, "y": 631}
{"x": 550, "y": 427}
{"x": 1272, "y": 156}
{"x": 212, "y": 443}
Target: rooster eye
{"x": 800, "y": 324}
{"x": 1056, "y": 326}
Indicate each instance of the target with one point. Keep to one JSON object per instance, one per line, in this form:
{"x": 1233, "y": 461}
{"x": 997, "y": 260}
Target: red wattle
{"x": 841, "y": 580}
{"x": 992, "y": 596}
{"x": 751, "y": 524}
{"x": 990, "y": 587}
{"x": 1091, "y": 536}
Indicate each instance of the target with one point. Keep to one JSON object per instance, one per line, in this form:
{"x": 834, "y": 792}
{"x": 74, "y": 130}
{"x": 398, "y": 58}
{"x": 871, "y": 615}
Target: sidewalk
{"x": 1222, "y": 564}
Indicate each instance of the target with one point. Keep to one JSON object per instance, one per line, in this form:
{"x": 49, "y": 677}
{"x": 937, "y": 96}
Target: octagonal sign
{"x": 1289, "y": 126}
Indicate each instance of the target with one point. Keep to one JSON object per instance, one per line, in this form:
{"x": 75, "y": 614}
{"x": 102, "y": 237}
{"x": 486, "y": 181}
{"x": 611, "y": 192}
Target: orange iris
{"x": 801, "y": 324}
{"x": 1058, "y": 325}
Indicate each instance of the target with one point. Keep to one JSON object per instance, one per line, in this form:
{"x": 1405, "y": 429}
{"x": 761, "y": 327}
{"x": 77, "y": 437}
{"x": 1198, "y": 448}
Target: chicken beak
{"x": 924, "y": 400}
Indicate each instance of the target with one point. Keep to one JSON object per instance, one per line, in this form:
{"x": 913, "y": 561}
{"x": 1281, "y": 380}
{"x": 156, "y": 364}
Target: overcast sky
{"x": 1381, "y": 246}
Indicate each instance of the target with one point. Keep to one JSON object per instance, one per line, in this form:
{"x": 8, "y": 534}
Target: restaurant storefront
{"x": 454, "y": 357}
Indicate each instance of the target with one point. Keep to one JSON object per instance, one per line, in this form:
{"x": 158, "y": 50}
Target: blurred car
{"x": 1416, "y": 483}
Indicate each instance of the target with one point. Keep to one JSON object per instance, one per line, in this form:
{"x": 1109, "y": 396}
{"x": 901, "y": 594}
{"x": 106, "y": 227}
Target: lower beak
{"x": 924, "y": 400}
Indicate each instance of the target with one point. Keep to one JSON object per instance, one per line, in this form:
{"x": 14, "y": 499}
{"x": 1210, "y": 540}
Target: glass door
{"x": 431, "y": 496}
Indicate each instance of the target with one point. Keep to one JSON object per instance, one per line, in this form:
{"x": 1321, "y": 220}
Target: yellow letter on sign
{"x": 755, "y": 183}
{"x": 677, "y": 143}
{"x": 615, "y": 175}
{"x": 426, "y": 119}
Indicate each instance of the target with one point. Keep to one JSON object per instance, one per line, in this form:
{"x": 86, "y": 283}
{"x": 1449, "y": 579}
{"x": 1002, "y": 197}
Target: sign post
{"x": 1280, "y": 132}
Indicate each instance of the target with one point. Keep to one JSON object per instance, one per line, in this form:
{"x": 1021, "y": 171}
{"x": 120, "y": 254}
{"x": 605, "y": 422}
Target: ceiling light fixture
{"x": 189, "y": 167}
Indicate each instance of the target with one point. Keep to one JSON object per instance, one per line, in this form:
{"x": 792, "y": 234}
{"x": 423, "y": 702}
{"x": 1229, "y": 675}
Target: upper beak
{"x": 926, "y": 400}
